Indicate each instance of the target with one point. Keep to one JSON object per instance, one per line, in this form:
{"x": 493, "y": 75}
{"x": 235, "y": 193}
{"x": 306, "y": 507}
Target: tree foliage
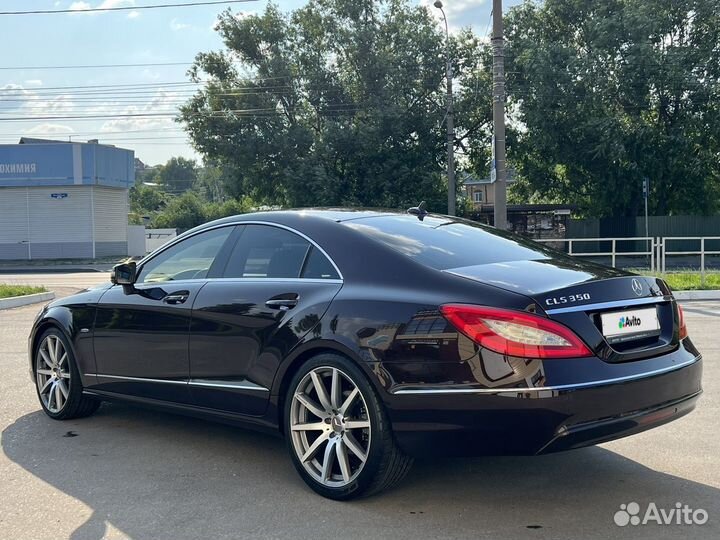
{"x": 177, "y": 175}
{"x": 205, "y": 201}
{"x": 340, "y": 102}
{"x": 190, "y": 210}
{"x": 607, "y": 93}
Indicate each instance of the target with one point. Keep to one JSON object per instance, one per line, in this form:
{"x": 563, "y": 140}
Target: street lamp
{"x": 449, "y": 116}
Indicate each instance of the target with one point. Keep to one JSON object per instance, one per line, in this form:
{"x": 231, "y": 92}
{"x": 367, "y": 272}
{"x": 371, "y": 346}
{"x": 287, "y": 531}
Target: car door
{"x": 275, "y": 288}
{"x": 141, "y": 331}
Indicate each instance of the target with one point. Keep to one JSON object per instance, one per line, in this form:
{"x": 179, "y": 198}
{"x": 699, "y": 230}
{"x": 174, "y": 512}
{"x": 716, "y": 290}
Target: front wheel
{"x": 57, "y": 379}
{"x": 338, "y": 434}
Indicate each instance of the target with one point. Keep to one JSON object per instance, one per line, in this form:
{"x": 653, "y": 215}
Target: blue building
{"x": 63, "y": 199}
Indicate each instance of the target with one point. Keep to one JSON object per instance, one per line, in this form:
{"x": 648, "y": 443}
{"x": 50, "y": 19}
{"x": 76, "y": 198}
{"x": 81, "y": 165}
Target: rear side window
{"x": 318, "y": 266}
{"x": 263, "y": 251}
{"x": 444, "y": 244}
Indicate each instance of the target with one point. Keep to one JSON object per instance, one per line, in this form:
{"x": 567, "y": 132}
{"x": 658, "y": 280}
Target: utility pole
{"x": 498, "y": 45}
{"x": 646, "y": 194}
{"x": 449, "y": 117}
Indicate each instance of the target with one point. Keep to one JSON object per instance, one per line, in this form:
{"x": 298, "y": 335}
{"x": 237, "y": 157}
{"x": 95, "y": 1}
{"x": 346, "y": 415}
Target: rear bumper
{"x": 542, "y": 420}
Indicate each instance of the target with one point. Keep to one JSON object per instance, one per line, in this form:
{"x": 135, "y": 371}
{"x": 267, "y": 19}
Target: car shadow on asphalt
{"x": 156, "y": 475}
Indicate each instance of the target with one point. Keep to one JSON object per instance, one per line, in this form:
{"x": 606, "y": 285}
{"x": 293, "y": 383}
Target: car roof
{"x": 333, "y": 214}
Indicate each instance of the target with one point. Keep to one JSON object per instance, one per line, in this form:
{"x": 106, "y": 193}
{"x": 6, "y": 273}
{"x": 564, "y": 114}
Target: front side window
{"x": 478, "y": 196}
{"x": 188, "y": 259}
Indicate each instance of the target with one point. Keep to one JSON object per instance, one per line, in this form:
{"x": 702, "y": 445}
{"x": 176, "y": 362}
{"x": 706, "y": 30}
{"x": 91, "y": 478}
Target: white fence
{"x": 142, "y": 241}
{"x": 154, "y": 238}
{"x": 655, "y": 249}
{"x": 613, "y": 243}
{"x": 137, "y": 244}
{"x": 702, "y": 252}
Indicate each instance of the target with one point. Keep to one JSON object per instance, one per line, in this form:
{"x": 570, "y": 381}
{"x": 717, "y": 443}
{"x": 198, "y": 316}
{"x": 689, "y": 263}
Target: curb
{"x": 17, "y": 301}
{"x": 58, "y": 269}
{"x": 697, "y": 295}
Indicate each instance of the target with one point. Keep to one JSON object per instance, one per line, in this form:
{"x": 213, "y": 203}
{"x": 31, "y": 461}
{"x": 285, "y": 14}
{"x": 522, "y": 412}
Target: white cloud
{"x": 50, "y": 129}
{"x": 17, "y": 98}
{"x": 12, "y": 97}
{"x": 79, "y": 6}
{"x": 33, "y": 82}
{"x": 162, "y": 102}
{"x": 105, "y": 4}
{"x": 176, "y": 25}
{"x": 239, "y": 15}
{"x": 35, "y": 105}
{"x": 14, "y": 87}
{"x": 133, "y": 14}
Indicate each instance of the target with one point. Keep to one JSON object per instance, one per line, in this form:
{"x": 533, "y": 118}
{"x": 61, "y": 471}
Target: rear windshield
{"x": 443, "y": 244}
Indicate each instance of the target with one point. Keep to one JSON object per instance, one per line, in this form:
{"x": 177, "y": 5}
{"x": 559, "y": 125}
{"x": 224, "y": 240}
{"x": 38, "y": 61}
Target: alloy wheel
{"x": 330, "y": 426}
{"x": 52, "y": 373}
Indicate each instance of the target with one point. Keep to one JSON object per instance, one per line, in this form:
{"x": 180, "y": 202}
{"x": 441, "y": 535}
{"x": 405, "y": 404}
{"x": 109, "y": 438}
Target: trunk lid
{"x": 585, "y": 297}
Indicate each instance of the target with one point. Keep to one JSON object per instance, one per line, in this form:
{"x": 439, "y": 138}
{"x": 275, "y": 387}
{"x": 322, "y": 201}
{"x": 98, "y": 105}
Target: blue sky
{"x": 156, "y": 36}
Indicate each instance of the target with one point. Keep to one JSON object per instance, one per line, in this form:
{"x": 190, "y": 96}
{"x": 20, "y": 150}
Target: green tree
{"x": 609, "y": 92}
{"x": 230, "y": 207}
{"x": 340, "y": 102}
{"x": 178, "y": 175}
{"x": 146, "y": 199}
{"x": 183, "y": 212}
{"x": 190, "y": 210}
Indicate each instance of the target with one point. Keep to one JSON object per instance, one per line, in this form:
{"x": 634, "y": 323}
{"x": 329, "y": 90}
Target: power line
{"x": 110, "y": 139}
{"x": 102, "y": 86}
{"x": 97, "y": 66}
{"x": 94, "y": 134}
{"x": 122, "y": 8}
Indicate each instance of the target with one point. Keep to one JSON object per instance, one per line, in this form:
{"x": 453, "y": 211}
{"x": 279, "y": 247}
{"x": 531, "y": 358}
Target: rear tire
{"x": 57, "y": 379}
{"x": 338, "y": 434}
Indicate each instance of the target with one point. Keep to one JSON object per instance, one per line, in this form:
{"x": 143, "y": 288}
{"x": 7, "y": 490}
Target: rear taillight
{"x": 515, "y": 333}
{"x": 683, "y": 328}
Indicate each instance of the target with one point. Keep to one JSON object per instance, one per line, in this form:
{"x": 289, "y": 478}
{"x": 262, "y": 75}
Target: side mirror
{"x": 124, "y": 274}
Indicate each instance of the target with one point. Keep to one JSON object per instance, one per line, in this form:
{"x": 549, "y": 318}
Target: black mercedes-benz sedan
{"x": 368, "y": 337}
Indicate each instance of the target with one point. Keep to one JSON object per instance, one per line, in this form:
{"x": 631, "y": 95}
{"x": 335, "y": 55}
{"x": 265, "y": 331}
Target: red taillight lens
{"x": 683, "y": 328}
{"x": 515, "y": 333}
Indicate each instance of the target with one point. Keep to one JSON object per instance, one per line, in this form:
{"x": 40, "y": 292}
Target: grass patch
{"x": 690, "y": 281}
{"x": 8, "y": 291}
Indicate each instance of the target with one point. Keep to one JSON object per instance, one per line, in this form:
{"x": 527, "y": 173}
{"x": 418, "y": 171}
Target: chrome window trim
{"x": 575, "y": 386}
{"x": 235, "y": 385}
{"x": 611, "y": 304}
{"x": 181, "y": 238}
{"x": 276, "y": 280}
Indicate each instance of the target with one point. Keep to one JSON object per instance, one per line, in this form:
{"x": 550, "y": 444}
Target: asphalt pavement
{"x": 128, "y": 472}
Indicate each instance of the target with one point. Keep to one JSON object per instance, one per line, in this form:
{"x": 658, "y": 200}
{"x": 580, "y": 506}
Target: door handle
{"x": 282, "y": 304}
{"x": 176, "y": 298}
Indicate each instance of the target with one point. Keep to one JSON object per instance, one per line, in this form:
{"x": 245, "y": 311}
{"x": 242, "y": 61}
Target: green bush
{"x": 189, "y": 210}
